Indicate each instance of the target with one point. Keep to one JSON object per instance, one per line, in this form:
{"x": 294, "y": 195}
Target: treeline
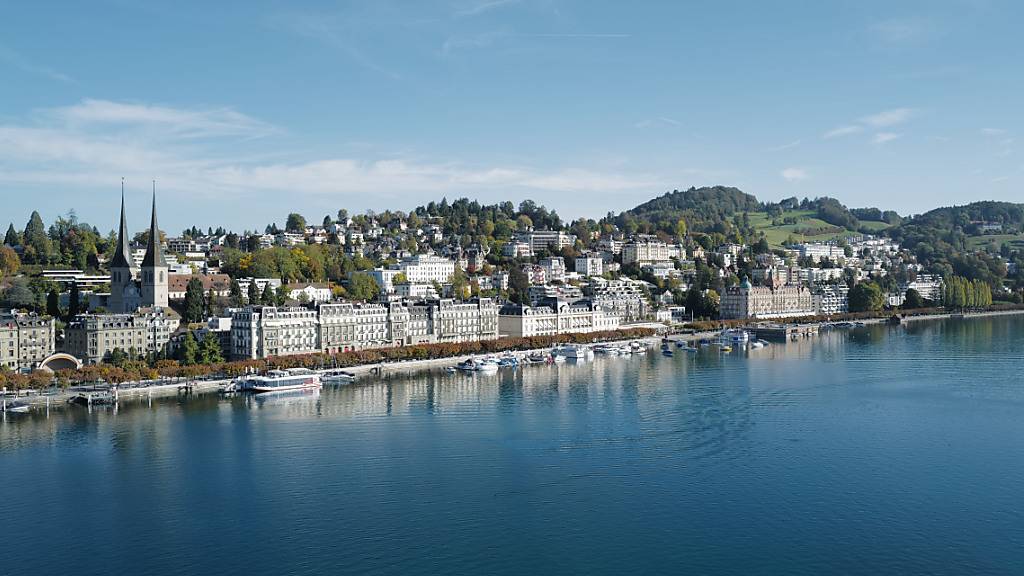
{"x": 131, "y": 370}
{"x": 960, "y": 293}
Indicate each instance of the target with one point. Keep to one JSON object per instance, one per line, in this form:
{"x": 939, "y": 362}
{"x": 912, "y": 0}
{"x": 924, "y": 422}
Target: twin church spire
{"x": 129, "y": 289}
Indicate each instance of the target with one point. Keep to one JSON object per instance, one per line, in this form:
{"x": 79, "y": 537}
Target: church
{"x": 131, "y": 287}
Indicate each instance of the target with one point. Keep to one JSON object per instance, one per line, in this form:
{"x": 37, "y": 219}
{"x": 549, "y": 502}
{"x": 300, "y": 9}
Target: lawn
{"x": 996, "y": 240}
{"x": 776, "y": 235}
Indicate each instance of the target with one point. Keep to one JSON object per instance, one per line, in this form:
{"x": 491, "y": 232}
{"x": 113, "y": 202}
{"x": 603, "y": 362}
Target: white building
{"x": 589, "y": 265}
{"x": 831, "y": 299}
{"x": 554, "y": 267}
{"x": 648, "y": 251}
{"x": 262, "y": 331}
{"x": 311, "y": 292}
{"x": 555, "y": 316}
{"x": 546, "y": 239}
{"x": 747, "y": 301}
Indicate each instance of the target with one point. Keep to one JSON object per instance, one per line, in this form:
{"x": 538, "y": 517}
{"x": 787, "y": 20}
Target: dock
{"x": 783, "y": 333}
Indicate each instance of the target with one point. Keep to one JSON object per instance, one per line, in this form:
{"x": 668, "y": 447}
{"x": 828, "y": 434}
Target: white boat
{"x": 637, "y": 348}
{"x": 755, "y": 344}
{"x": 14, "y": 407}
{"x": 735, "y": 336}
{"x": 335, "y": 376}
{"x": 573, "y": 352}
{"x": 280, "y": 381}
{"x": 478, "y": 365}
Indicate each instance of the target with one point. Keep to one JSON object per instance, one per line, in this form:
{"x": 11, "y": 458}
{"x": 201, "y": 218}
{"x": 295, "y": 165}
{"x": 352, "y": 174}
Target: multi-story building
{"x": 777, "y": 301}
{"x": 464, "y": 321}
{"x": 25, "y": 340}
{"x": 819, "y": 250}
{"x": 92, "y": 337}
{"x": 554, "y": 316}
{"x": 177, "y": 285}
{"x": 830, "y": 299}
{"x": 517, "y": 249}
{"x": 589, "y": 265}
{"x": 353, "y": 326}
{"x": 646, "y": 250}
{"x": 554, "y": 267}
{"x": 419, "y": 269}
{"x": 310, "y": 292}
{"x": 929, "y": 286}
{"x": 624, "y": 298}
{"x": 546, "y": 239}
{"x": 262, "y": 331}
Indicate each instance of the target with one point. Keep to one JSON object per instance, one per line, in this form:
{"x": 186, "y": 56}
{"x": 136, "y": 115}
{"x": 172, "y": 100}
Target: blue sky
{"x": 244, "y": 111}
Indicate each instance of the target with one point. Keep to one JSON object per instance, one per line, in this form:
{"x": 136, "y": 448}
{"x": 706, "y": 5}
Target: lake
{"x": 881, "y": 449}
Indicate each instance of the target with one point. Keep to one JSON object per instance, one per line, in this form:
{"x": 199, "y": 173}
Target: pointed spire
{"x": 154, "y": 250}
{"x": 123, "y": 251}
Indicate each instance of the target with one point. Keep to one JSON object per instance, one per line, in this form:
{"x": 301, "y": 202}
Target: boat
{"x": 14, "y": 407}
{"x": 92, "y": 399}
{"x": 666, "y": 352}
{"x": 726, "y": 348}
{"x": 478, "y": 365}
{"x": 280, "y": 381}
{"x": 755, "y": 344}
{"x": 451, "y": 369}
{"x": 337, "y": 377}
{"x": 735, "y": 336}
{"x": 573, "y": 352}
{"x": 894, "y": 320}
{"x": 536, "y": 358}
{"x": 637, "y": 347}
{"x": 508, "y": 361}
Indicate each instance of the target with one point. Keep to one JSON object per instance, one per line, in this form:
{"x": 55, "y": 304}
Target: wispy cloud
{"x": 888, "y": 117}
{"x": 903, "y": 32}
{"x": 842, "y": 131}
{"x": 74, "y": 146}
{"x": 993, "y": 131}
{"x": 883, "y": 119}
{"x": 786, "y": 146}
{"x": 660, "y": 120}
{"x": 883, "y": 137}
{"x": 478, "y": 8}
{"x": 19, "y": 61}
{"x": 794, "y": 174}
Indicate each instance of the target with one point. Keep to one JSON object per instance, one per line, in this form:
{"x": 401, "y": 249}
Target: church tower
{"x": 124, "y": 294}
{"x": 154, "y": 266}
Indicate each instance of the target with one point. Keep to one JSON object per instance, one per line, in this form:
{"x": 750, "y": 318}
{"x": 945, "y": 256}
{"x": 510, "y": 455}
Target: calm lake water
{"x": 877, "y": 450}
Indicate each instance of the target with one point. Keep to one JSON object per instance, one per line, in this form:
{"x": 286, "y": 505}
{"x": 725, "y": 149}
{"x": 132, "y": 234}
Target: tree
{"x": 681, "y": 228}
{"x": 9, "y": 261}
{"x": 74, "y": 301}
{"x": 195, "y": 303}
{"x": 254, "y": 293}
{"x": 268, "y": 298}
{"x": 362, "y": 286}
{"x": 210, "y": 351}
{"x": 866, "y": 297}
{"x": 12, "y": 238}
{"x": 913, "y": 299}
{"x": 53, "y": 303}
{"x": 235, "y": 294}
{"x": 19, "y": 295}
{"x": 188, "y": 353}
{"x": 459, "y": 282}
{"x": 36, "y": 242}
{"x": 296, "y": 223}
{"x": 518, "y": 284}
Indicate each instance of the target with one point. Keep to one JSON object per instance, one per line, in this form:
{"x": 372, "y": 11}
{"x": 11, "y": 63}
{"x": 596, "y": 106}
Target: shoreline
{"x": 382, "y": 369}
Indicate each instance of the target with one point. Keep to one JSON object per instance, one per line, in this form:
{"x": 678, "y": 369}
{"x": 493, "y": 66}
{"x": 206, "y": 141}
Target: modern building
{"x": 624, "y": 298}
{"x": 589, "y": 265}
{"x": 546, "y": 239}
{"x": 831, "y": 299}
{"x": 25, "y": 340}
{"x": 648, "y": 251}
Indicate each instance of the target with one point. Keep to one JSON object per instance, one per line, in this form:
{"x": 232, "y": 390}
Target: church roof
{"x": 154, "y": 251}
{"x": 122, "y": 253}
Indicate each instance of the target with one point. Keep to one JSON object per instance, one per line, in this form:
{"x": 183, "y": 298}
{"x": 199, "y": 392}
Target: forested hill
{"x": 972, "y": 218}
{"x": 699, "y": 206}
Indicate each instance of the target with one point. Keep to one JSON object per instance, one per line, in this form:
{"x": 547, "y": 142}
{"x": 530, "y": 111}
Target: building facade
{"x": 25, "y": 340}
{"x": 764, "y": 302}
{"x": 263, "y": 331}
{"x": 554, "y": 317}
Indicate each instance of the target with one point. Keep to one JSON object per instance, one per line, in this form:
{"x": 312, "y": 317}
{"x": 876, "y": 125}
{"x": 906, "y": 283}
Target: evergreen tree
{"x": 210, "y": 351}
{"x": 188, "y": 353}
{"x": 235, "y": 295}
{"x": 74, "y": 301}
{"x": 195, "y": 303}
{"x": 268, "y": 298}
{"x": 53, "y": 303}
{"x": 35, "y": 240}
{"x": 12, "y": 239}
{"x": 254, "y": 293}
{"x": 913, "y": 300}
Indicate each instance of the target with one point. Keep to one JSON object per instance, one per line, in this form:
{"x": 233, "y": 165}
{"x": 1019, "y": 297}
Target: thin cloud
{"x": 794, "y": 174}
{"x": 786, "y": 146}
{"x": 903, "y": 32}
{"x": 482, "y": 7}
{"x": 888, "y": 117}
{"x": 842, "y": 131}
{"x": 883, "y": 137}
{"x": 993, "y": 131}
{"x": 660, "y": 120}
{"x": 16, "y": 59}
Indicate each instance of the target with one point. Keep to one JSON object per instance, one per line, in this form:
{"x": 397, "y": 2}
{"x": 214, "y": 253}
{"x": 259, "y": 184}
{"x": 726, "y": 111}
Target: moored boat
{"x": 279, "y": 381}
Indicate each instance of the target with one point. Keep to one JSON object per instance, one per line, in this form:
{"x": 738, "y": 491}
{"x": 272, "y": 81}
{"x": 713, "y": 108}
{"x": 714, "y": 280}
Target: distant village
{"x": 172, "y": 297}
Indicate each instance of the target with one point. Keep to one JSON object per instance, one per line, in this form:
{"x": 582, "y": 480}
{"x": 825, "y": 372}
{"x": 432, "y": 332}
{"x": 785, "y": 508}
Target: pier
{"x": 783, "y": 333}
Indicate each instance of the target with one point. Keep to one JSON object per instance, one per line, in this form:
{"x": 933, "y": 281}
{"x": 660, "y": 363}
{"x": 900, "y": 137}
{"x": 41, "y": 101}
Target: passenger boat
{"x": 280, "y": 381}
{"x": 14, "y": 407}
{"x": 637, "y": 347}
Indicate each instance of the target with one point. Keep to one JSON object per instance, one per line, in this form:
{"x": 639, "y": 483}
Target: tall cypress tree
{"x": 254, "y": 293}
{"x": 37, "y": 243}
{"x": 74, "y": 303}
{"x": 12, "y": 239}
{"x": 235, "y": 296}
{"x": 195, "y": 301}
